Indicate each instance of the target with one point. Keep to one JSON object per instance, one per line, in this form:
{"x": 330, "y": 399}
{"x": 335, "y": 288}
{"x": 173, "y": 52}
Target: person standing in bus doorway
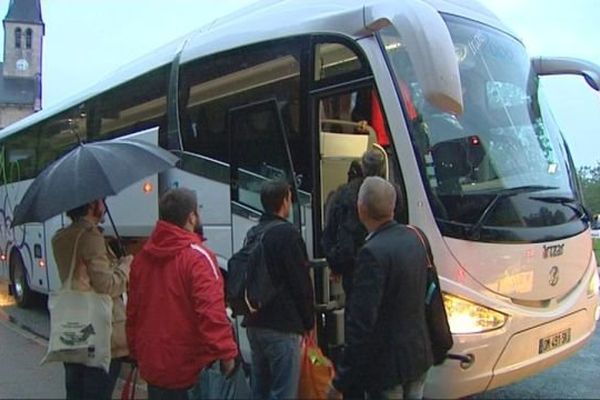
{"x": 275, "y": 330}
{"x": 388, "y": 351}
{"x": 344, "y": 234}
{"x": 176, "y": 318}
{"x": 99, "y": 270}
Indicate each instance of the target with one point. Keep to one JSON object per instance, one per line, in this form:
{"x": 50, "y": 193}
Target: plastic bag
{"x": 316, "y": 371}
{"x": 213, "y": 385}
{"x": 128, "y": 391}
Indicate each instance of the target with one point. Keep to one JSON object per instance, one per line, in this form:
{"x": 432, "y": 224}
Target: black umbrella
{"x": 88, "y": 172}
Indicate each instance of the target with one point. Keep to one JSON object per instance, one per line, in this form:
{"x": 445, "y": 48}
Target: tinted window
{"x": 333, "y": 59}
{"x": 213, "y": 86}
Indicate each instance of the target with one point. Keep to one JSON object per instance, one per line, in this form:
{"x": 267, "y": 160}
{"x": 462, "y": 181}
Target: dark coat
{"x": 387, "y": 341}
{"x": 291, "y": 310}
{"x": 344, "y": 234}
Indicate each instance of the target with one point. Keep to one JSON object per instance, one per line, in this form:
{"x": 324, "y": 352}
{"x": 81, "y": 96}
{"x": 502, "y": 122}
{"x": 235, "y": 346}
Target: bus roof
{"x": 263, "y": 20}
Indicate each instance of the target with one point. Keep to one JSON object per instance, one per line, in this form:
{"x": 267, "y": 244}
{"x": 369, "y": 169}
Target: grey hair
{"x": 378, "y": 196}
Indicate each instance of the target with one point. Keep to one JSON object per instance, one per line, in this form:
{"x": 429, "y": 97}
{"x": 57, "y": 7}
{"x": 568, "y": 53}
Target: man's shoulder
{"x": 395, "y": 233}
{"x": 282, "y": 230}
{"x": 196, "y": 251}
{"x": 198, "y": 255}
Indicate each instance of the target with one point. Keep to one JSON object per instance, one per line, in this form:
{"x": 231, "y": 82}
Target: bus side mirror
{"x": 429, "y": 46}
{"x": 568, "y": 66}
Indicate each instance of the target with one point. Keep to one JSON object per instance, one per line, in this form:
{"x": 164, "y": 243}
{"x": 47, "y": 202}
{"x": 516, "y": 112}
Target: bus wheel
{"x": 21, "y": 291}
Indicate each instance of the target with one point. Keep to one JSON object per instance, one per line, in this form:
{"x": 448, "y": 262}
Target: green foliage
{"x": 590, "y": 183}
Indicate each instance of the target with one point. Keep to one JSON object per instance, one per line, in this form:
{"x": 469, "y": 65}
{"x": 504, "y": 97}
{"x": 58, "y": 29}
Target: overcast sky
{"x": 86, "y": 39}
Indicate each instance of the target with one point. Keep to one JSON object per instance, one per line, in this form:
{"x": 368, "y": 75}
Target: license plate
{"x": 553, "y": 341}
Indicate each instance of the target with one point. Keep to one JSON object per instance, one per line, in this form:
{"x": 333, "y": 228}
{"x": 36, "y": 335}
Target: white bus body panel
{"x": 134, "y": 210}
{"x": 526, "y": 272}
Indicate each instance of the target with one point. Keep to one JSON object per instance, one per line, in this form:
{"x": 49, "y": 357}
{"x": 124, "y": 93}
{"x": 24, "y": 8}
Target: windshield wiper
{"x": 571, "y": 202}
{"x": 475, "y": 230}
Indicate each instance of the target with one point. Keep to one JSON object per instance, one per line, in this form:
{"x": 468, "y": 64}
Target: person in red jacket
{"x": 176, "y": 318}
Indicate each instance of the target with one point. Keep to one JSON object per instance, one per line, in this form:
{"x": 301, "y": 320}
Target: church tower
{"x": 23, "y": 35}
{"x": 21, "y": 80}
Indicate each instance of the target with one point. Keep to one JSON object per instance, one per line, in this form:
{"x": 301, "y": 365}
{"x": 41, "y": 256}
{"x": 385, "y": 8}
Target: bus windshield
{"x": 500, "y": 166}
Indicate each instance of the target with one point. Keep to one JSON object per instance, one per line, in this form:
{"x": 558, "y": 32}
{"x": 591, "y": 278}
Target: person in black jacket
{"x": 388, "y": 350}
{"x": 275, "y": 330}
{"x": 344, "y": 234}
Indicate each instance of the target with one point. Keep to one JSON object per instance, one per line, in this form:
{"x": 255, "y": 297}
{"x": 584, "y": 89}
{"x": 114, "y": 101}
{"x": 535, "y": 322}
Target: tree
{"x": 590, "y": 183}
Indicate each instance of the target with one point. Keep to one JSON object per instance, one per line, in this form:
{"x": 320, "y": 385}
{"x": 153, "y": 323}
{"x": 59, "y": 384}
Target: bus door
{"x": 259, "y": 152}
{"x": 348, "y": 122}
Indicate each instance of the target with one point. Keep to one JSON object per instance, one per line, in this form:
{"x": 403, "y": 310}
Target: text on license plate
{"x": 553, "y": 341}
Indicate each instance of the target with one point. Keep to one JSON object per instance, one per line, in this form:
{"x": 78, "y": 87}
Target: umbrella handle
{"x": 120, "y": 248}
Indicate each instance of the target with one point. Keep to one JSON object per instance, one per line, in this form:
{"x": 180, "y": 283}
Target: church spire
{"x": 24, "y": 11}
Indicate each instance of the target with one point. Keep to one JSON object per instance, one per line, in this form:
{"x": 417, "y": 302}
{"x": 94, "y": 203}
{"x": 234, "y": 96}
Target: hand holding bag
{"x": 212, "y": 384}
{"x": 316, "y": 371}
{"x": 80, "y": 324}
{"x": 435, "y": 311}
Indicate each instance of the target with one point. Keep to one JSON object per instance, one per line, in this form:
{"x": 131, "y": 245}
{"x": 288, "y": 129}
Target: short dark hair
{"x": 78, "y": 212}
{"x": 272, "y": 194}
{"x": 373, "y": 163}
{"x": 176, "y": 205}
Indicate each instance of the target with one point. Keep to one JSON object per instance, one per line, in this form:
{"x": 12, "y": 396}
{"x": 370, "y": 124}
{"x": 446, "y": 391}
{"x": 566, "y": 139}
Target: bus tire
{"x": 20, "y": 286}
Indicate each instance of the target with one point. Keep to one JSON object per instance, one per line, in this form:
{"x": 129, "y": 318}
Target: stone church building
{"x": 21, "y": 79}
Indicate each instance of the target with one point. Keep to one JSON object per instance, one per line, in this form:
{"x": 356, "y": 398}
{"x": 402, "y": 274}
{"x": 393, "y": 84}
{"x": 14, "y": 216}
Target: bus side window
{"x": 218, "y": 83}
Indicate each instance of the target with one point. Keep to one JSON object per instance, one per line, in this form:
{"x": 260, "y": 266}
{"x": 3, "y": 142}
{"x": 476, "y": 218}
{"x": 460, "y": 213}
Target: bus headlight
{"x": 467, "y": 317}
{"x": 594, "y": 285}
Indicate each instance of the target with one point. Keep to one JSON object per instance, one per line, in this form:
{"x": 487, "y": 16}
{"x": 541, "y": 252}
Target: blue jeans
{"x": 86, "y": 383}
{"x": 275, "y": 363}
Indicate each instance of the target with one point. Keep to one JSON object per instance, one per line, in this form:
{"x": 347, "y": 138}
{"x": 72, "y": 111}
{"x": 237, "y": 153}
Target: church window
{"x": 28, "y": 34}
{"x": 18, "y": 38}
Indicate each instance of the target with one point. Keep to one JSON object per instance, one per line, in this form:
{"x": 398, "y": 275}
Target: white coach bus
{"x": 299, "y": 89}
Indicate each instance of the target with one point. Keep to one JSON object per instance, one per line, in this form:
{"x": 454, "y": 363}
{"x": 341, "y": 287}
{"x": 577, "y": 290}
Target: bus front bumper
{"x": 498, "y": 363}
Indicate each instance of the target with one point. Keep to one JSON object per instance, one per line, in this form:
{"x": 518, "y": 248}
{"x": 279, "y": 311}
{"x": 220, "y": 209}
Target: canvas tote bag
{"x": 80, "y": 324}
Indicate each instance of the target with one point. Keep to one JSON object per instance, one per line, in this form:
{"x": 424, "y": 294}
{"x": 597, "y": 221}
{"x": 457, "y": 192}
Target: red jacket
{"x": 176, "y": 319}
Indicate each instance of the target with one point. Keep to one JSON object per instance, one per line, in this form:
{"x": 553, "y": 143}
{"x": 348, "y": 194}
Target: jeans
{"x": 407, "y": 390}
{"x": 89, "y": 383}
{"x": 275, "y": 363}
{"x": 157, "y": 393}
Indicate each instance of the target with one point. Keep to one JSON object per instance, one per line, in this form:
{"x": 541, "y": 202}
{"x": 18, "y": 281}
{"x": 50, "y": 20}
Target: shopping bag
{"x": 212, "y": 384}
{"x": 128, "y": 392}
{"x": 80, "y": 328}
{"x": 316, "y": 371}
{"x": 80, "y": 325}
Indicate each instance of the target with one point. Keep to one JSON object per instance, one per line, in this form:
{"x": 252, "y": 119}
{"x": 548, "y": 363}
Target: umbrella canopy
{"x": 88, "y": 172}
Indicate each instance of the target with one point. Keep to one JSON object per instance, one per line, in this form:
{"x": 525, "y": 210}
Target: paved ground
{"x": 23, "y": 343}
{"x": 21, "y": 376}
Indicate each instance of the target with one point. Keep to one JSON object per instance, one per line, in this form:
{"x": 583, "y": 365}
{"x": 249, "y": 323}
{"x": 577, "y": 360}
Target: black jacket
{"x": 292, "y": 308}
{"x": 344, "y": 234}
{"x": 387, "y": 341}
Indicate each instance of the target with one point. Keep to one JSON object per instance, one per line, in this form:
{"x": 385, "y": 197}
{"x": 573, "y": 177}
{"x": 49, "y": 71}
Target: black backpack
{"x": 249, "y": 283}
